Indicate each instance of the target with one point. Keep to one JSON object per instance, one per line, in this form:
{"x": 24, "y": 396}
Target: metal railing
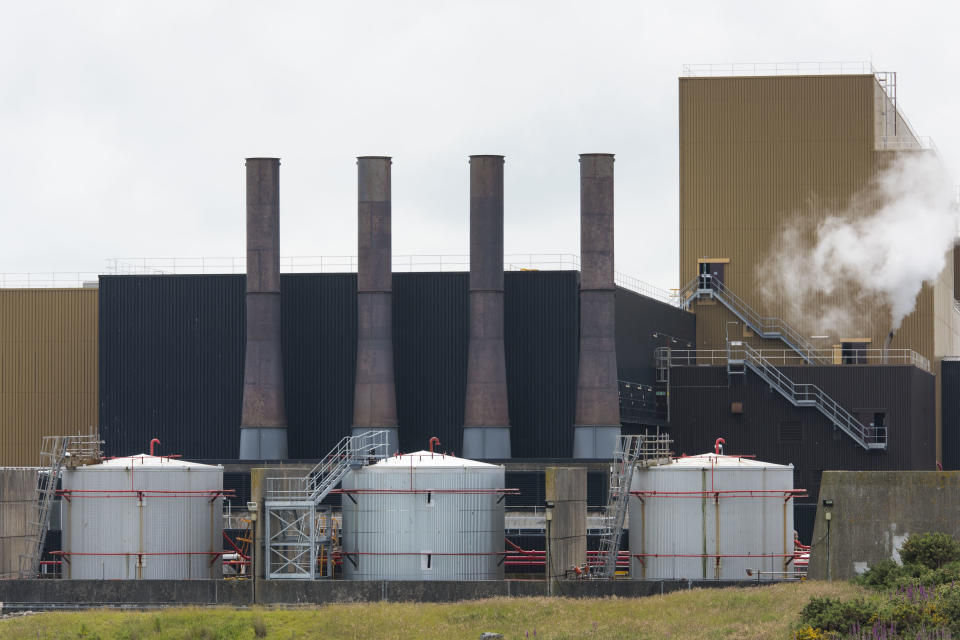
{"x": 779, "y": 69}
{"x": 639, "y": 403}
{"x": 350, "y": 452}
{"x": 705, "y": 285}
{"x": 400, "y": 264}
{"x": 49, "y": 280}
{"x": 790, "y": 358}
{"x": 800, "y": 395}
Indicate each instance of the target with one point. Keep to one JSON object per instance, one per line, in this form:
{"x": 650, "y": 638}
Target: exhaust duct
{"x": 597, "y": 423}
{"x": 486, "y": 425}
{"x": 375, "y": 396}
{"x": 263, "y": 425}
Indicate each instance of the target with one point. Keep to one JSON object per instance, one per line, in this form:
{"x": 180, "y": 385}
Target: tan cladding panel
{"x": 760, "y": 153}
{"x": 48, "y": 368}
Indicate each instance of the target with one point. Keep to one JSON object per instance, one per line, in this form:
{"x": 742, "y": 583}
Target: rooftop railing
{"x": 790, "y": 358}
{"x": 778, "y": 69}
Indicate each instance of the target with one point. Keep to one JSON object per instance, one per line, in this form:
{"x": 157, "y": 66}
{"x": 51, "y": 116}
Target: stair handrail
{"x": 868, "y": 437}
{"x": 767, "y": 326}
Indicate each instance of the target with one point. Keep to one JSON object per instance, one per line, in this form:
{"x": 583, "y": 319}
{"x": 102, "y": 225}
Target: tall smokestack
{"x": 263, "y": 425}
{"x": 597, "y": 422}
{"x": 375, "y": 396}
{"x": 486, "y": 425}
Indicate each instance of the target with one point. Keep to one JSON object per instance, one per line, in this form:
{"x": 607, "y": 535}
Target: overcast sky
{"x": 124, "y": 125}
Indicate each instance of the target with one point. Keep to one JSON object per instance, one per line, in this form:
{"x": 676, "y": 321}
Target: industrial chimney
{"x": 375, "y": 396}
{"x": 486, "y": 425}
{"x": 263, "y": 425}
{"x": 597, "y": 422}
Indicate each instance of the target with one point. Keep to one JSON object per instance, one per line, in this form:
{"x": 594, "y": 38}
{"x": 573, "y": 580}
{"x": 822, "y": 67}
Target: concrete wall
{"x": 873, "y": 513}
{"x": 19, "y": 595}
{"x": 17, "y": 510}
{"x": 566, "y": 487}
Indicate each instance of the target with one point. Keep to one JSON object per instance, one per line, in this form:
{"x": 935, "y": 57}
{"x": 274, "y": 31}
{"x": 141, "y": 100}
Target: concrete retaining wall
{"x": 20, "y": 595}
{"x": 18, "y": 508}
{"x": 873, "y": 512}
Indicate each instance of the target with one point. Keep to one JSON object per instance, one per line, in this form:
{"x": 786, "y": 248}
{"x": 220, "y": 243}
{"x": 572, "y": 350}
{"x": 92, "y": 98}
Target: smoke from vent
{"x": 850, "y": 261}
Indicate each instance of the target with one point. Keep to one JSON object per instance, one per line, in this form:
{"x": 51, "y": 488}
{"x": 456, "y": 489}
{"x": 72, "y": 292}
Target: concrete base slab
{"x": 595, "y": 442}
{"x": 486, "y": 443}
{"x": 263, "y": 443}
{"x": 393, "y": 436}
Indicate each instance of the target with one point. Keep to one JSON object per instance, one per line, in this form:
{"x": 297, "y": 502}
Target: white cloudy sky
{"x": 124, "y": 125}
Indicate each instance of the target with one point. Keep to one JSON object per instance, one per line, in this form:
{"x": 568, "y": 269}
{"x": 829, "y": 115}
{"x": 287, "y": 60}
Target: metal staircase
{"x": 706, "y": 286}
{"x": 298, "y": 530}
{"x": 629, "y": 451}
{"x": 742, "y": 356}
{"x": 56, "y": 452}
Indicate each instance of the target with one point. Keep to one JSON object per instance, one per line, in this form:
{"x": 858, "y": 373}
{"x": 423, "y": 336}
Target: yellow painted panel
{"x": 48, "y": 368}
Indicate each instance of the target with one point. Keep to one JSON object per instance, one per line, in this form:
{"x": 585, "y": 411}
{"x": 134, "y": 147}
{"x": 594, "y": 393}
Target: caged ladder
{"x": 647, "y": 449}
{"x": 57, "y": 451}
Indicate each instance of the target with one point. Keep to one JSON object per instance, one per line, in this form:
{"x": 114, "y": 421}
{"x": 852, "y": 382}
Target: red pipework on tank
{"x": 718, "y": 445}
{"x": 153, "y": 442}
{"x": 434, "y": 440}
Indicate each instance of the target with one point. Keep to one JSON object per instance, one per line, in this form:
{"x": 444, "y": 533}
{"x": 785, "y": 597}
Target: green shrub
{"x": 828, "y": 614}
{"x": 932, "y": 550}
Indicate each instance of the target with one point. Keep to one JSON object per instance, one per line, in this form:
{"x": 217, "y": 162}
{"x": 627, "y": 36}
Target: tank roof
{"x": 146, "y": 460}
{"x": 707, "y": 460}
{"x": 428, "y": 459}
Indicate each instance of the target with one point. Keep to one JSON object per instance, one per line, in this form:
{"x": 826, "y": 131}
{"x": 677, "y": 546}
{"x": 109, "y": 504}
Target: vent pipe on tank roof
{"x": 375, "y": 396}
{"x": 597, "y": 423}
{"x": 486, "y": 425}
{"x": 263, "y": 425}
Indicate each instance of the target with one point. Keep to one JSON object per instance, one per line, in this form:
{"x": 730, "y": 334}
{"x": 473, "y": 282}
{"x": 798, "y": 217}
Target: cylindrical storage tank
{"x": 711, "y": 517}
{"x": 143, "y": 517}
{"x": 424, "y": 516}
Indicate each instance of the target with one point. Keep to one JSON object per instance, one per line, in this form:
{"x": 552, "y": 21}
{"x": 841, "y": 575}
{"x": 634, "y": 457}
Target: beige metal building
{"x": 48, "y": 368}
{"x": 760, "y": 155}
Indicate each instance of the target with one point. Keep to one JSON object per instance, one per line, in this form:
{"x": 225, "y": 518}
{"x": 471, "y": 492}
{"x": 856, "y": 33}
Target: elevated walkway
{"x": 741, "y": 357}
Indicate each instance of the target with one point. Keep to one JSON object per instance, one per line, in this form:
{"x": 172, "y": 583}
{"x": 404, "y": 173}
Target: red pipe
{"x": 716, "y": 445}
{"x": 153, "y": 442}
{"x": 434, "y": 440}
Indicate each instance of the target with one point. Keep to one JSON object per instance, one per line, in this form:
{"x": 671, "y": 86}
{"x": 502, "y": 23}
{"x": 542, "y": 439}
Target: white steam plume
{"x": 892, "y": 237}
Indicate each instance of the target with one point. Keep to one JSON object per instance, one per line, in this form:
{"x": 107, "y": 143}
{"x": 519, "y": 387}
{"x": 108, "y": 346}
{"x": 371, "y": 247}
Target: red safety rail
{"x": 70, "y": 494}
{"x": 506, "y": 492}
{"x": 520, "y": 557}
{"x": 786, "y": 494}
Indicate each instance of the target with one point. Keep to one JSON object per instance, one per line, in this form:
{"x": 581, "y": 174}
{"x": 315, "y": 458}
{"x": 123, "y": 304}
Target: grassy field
{"x": 764, "y": 612}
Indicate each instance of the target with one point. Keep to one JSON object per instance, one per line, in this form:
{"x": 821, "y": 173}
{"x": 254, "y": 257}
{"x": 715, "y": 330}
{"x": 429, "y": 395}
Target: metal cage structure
{"x": 300, "y": 533}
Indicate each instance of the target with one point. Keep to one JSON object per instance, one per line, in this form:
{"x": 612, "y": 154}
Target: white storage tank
{"x": 143, "y": 517}
{"x": 711, "y": 517}
{"x": 424, "y": 516}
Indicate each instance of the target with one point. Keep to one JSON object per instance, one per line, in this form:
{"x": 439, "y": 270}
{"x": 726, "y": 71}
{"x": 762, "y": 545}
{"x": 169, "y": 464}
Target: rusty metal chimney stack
{"x": 597, "y": 422}
{"x": 375, "y": 396}
{"x": 486, "y": 425}
{"x": 263, "y": 425}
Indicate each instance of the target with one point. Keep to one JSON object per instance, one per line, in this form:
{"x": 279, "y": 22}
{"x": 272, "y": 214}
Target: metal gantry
{"x": 56, "y": 452}
{"x": 301, "y": 533}
{"x": 630, "y": 450}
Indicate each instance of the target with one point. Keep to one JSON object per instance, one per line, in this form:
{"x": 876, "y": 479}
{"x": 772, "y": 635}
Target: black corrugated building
{"x": 171, "y": 359}
{"x": 707, "y": 403}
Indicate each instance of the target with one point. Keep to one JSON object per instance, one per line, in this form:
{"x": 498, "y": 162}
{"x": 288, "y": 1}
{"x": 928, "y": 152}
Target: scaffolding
{"x": 300, "y": 532}
{"x": 630, "y": 450}
{"x": 56, "y": 452}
